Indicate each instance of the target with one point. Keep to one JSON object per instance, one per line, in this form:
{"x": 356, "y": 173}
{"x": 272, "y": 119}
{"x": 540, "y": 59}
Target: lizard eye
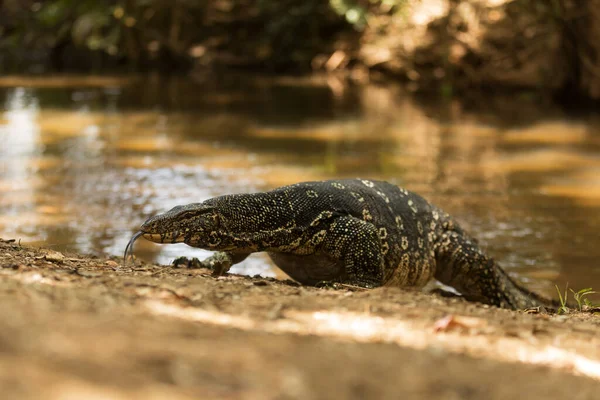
{"x": 214, "y": 239}
{"x": 188, "y": 214}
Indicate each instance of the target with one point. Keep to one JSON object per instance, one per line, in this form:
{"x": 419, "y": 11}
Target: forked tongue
{"x": 129, "y": 247}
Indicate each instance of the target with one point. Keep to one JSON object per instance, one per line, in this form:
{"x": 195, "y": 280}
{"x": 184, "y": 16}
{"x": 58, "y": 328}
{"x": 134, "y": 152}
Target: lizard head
{"x": 193, "y": 224}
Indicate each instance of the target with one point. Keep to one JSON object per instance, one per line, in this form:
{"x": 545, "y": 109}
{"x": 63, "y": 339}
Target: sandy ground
{"x": 74, "y": 327}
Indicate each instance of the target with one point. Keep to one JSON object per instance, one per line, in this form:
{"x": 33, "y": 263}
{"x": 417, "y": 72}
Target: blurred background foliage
{"x": 445, "y": 43}
{"x": 273, "y": 34}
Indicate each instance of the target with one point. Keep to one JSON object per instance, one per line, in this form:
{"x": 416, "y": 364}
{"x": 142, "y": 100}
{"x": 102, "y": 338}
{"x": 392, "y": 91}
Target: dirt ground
{"x": 74, "y": 327}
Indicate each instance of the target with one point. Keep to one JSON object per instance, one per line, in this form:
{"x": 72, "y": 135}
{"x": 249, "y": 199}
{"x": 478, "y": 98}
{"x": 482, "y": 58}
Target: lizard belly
{"x": 309, "y": 269}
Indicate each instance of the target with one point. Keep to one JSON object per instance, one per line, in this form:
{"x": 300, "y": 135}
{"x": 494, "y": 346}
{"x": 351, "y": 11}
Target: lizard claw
{"x": 184, "y": 262}
{"x": 218, "y": 264}
{"x": 329, "y": 285}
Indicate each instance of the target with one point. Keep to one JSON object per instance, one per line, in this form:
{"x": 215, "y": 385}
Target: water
{"x": 85, "y": 160}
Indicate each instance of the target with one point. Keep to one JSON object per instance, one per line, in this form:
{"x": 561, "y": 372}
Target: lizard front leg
{"x": 219, "y": 262}
{"x": 344, "y": 250}
{"x": 357, "y": 245}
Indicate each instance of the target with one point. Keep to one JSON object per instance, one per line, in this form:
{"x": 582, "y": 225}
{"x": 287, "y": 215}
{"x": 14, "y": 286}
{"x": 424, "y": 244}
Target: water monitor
{"x": 361, "y": 232}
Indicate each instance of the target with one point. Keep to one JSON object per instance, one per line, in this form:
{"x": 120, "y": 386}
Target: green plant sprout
{"x": 580, "y": 297}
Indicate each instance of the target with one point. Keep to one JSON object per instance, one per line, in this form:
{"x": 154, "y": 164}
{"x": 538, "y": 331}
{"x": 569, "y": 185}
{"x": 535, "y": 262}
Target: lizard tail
{"x": 518, "y": 297}
{"x": 463, "y": 265}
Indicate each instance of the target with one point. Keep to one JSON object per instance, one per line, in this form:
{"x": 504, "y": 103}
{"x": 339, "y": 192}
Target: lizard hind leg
{"x": 463, "y": 265}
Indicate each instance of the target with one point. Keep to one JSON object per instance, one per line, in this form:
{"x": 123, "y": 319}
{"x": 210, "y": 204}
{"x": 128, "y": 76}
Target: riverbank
{"x": 89, "y": 327}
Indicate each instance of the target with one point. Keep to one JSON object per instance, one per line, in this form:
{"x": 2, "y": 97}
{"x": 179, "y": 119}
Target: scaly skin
{"x": 360, "y": 232}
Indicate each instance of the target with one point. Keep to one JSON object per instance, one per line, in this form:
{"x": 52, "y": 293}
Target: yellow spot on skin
{"x": 357, "y": 197}
{"x": 385, "y": 248}
{"x": 404, "y": 242}
{"x": 321, "y": 217}
{"x": 399, "y": 223}
{"x": 367, "y": 183}
{"x": 420, "y": 227}
{"x": 318, "y": 237}
{"x": 412, "y": 206}
{"x": 405, "y": 260}
{"x": 383, "y": 196}
{"x": 312, "y": 193}
{"x": 382, "y": 233}
{"x": 367, "y": 215}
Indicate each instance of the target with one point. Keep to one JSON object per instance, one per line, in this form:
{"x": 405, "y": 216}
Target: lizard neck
{"x": 253, "y": 222}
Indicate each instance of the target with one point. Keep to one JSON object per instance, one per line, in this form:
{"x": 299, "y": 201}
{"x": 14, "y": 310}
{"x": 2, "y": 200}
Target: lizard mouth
{"x": 168, "y": 237}
{"x": 171, "y": 237}
{"x": 153, "y": 237}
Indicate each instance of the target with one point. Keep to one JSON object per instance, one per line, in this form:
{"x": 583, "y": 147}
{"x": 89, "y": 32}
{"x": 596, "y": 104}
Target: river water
{"x": 85, "y": 160}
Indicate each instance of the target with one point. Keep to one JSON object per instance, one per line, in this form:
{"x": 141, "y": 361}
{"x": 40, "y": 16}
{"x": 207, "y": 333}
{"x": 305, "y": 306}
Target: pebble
{"x": 54, "y": 256}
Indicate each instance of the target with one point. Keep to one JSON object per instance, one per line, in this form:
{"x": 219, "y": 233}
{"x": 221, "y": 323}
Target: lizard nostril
{"x": 145, "y": 227}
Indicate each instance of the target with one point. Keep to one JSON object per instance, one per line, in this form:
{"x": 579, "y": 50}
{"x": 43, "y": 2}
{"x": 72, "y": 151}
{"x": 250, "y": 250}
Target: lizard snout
{"x": 154, "y": 225}
{"x": 162, "y": 228}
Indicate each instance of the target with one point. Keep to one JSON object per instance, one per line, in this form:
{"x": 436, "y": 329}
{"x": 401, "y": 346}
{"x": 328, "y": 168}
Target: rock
{"x": 54, "y": 256}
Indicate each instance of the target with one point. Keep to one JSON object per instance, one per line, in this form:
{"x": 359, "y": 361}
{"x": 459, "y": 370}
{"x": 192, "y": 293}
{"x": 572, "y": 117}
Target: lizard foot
{"x": 331, "y": 285}
{"x": 218, "y": 263}
{"x": 184, "y": 262}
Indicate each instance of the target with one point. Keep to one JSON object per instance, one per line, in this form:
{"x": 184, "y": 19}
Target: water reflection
{"x": 20, "y": 138}
{"x": 84, "y": 161}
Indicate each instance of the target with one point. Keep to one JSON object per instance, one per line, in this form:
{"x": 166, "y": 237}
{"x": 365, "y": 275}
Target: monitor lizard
{"x": 356, "y": 231}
